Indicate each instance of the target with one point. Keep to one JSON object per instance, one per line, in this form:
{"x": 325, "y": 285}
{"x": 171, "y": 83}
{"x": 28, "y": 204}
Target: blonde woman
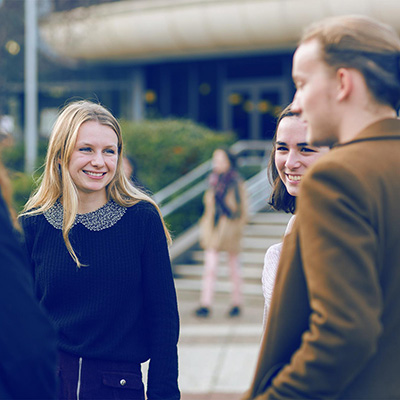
{"x": 99, "y": 253}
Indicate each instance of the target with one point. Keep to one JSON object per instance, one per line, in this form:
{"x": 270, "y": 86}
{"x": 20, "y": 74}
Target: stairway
{"x": 263, "y": 230}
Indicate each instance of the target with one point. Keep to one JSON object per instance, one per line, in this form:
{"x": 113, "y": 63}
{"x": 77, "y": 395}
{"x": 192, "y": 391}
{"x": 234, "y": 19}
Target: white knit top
{"x": 271, "y": 262}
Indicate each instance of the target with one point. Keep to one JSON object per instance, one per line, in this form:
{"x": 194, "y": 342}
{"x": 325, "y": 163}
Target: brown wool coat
{"x": 227, "y": 234}
{"x": 334, "y": 325}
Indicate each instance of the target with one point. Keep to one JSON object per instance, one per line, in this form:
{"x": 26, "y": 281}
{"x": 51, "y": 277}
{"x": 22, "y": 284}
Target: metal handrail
{"x": 184, "y": 198}
{"x": 258, "y": 189}
{"x": 201, "y": 172}
{"x": 180, "y": 183}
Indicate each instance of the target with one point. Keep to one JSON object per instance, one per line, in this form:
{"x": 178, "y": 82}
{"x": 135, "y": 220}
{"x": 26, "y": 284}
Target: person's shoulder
{"x": 144, "y": 214}
{"x": 329, "y": 163}
{"x": 238, "y": 177}
{"x": 5, "y": 219}
{"x": 344, "y": 162}
{"x": 241, "y": 182}
{"x": 27, "y": 220}
{"x": 142, "y": 205}
{"x": 339, "y": 174}
{"x": 273, "y": 251}
{"x": 143, "y": 208}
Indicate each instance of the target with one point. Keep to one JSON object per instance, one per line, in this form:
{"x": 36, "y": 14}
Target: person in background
{"x": 98, "y": 248}
{"x": 333, "y": 327}
{"x": 130, "y": 169}
{"x": 225, "y": 213}
{"x": 27, "y": 339}
{"x": 290, "y": 157}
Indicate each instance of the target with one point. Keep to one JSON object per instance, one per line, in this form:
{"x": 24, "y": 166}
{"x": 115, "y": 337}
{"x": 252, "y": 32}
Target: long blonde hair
{"x": 56, "y": 181}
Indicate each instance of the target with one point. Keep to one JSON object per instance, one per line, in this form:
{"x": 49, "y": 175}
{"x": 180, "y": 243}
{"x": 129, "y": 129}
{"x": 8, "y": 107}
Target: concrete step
{"x": 270, "y": 218}
{"x": 254, "y": 243}
{"x": 262, "y": 231}
{"x": 259, "y": 243}
{"x": 253, "y": 289}
{"x": 196, "y": 271}
{"x": 265, "y": 230}
{"x": 246, "y": 257}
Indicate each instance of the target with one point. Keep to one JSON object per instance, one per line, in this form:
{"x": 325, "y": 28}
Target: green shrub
{"x": 185, "y": 217}
{"x": 13, "y": 156}
{"x": 23, "y": 185}
{"x": 164, "y": 150}
{"x": 190, "y": 213}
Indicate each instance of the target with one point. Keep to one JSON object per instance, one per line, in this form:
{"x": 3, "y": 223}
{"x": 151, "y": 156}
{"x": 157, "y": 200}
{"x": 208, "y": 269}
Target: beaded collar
{"x": 97, "y": 220}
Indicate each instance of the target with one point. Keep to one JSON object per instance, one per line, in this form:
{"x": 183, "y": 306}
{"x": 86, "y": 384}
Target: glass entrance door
{"x": 250, "y": 108}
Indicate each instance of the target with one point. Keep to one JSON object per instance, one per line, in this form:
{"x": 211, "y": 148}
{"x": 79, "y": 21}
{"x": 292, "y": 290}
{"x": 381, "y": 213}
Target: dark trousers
{"x": 84, "y": 379}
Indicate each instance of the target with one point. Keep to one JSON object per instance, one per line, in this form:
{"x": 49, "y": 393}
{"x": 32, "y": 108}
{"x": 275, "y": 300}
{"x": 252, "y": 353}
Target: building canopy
{"x": 146, "y": 30}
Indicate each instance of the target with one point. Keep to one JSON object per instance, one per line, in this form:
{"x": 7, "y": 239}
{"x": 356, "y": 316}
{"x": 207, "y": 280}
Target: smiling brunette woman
{"x": 290, "y": 158}
{"x": 99, "y": 255}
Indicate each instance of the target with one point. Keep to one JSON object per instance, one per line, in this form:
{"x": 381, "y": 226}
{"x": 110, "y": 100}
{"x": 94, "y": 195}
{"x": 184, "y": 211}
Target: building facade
{"x": 223, "y": 63}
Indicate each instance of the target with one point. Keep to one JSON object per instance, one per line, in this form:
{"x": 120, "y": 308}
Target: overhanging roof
{"x": 159, "y": 29}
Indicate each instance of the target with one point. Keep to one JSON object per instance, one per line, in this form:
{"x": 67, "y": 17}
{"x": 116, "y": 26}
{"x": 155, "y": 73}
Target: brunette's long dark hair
{"x": 280, "y": 199}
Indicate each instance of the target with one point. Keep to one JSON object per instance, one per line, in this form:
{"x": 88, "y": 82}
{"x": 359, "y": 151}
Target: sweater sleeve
{"x": 27, "y": 341}
{"x": 271, "y": 262}
{"x": 161, "y": 311}
{"x": 26, "y": 223}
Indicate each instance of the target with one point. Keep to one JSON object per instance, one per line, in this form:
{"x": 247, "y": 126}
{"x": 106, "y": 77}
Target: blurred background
{"x": 222, "y": 64}
{"x": 183, "y": 77}
{"x": 188, "y": 75}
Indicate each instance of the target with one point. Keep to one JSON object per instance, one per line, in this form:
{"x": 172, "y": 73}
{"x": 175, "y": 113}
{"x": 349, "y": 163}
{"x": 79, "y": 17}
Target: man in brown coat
{"x": 334, "y": 325}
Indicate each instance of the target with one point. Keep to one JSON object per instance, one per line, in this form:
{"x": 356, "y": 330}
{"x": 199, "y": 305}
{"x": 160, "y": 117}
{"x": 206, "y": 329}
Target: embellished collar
{"x": 102, "y": 218}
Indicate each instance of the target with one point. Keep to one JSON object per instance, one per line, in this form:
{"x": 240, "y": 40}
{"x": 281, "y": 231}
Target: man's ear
{"x": 345, "y": 83}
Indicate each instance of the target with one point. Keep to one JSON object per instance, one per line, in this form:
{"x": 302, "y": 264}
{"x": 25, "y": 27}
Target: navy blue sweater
{"x": 121, "y": 306}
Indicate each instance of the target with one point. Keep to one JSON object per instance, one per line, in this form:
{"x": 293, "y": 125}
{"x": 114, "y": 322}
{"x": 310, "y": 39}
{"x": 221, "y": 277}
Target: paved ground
{"x": 218, "y": 355}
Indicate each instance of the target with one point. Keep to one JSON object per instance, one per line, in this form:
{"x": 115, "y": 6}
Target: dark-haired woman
{"x": 290, "y": 158}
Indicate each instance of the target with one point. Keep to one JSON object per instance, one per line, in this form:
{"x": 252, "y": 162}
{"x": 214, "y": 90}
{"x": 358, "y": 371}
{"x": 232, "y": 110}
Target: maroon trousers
{"x": 88, "y": 379}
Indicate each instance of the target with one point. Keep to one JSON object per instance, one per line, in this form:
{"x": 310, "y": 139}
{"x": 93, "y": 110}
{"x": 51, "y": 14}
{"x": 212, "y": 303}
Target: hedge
{"x": 163, "y": 151}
